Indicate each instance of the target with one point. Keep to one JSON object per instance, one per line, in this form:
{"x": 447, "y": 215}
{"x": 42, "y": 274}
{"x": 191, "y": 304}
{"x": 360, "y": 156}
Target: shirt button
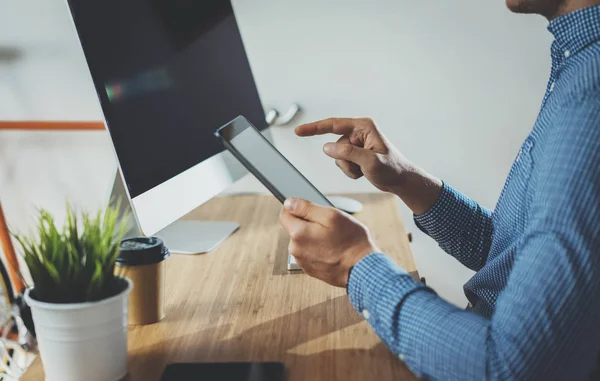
{"x": 567, "y": 53}
{"x": 366, "y": 314}
{"x": 552, "y": 86}
{"x": 401, "y": 357}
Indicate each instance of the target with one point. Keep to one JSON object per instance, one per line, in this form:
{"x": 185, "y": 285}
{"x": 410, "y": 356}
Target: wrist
{"x": 418, "y": 189}
{"x": 359, "y": 255}
{"x": 349, "y": 275}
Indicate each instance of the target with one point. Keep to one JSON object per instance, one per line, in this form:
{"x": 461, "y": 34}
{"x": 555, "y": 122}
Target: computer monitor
{"x": 168, "y": 73}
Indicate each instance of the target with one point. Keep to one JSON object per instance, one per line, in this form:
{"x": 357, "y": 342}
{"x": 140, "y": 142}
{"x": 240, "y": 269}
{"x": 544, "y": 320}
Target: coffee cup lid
{"x": 142, "y": 251}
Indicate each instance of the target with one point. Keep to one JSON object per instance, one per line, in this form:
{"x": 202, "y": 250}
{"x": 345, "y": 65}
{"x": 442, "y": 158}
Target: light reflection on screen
{"x": 146, "y": 82}
{"x": 168, "y": 74}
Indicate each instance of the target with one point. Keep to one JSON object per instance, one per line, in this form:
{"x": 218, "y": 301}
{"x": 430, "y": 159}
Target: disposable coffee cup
{"x": 143, "y": 261}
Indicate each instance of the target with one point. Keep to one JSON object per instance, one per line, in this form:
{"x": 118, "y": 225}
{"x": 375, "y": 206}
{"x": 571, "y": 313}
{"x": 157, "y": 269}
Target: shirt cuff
{"x": 373, "y": 279}
{"x": 449, "y": 207}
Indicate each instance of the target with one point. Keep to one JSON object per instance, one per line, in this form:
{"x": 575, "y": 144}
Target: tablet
{"x": 266, "y": 163}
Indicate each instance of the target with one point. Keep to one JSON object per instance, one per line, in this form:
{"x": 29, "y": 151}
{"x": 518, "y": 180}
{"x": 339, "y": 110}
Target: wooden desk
{"x": 239, "y": 303}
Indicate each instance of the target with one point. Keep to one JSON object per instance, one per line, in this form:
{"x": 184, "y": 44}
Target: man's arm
{"x": 461, "y": 227}
{"x": 545, "y": 323}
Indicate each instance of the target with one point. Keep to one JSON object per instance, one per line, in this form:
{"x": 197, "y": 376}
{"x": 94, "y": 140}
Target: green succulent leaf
{"x": 74, "y": 263}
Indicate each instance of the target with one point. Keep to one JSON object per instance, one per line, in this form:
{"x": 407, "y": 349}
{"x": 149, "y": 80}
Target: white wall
{"x": 455, "y": 85}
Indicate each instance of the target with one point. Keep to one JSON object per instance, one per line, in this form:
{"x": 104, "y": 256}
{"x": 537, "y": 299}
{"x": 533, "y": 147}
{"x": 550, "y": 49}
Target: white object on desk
{"x": 292, "y": 265}
{"x": 82, "y": 341}
{"x": 196, "y": 237}
{"x": 347, "y": 204}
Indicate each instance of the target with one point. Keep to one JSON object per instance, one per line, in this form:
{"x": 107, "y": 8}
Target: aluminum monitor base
{"x": 196, "y": 237}
{"x": 181, "y": 237}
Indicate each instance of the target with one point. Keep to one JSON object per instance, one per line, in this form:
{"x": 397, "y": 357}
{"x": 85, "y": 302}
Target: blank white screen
{"x": 275, "y": 168}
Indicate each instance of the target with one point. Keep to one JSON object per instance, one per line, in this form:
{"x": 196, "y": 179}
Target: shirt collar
{"x": 576, "y": 30}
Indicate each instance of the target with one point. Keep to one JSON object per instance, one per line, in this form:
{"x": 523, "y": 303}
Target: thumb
{"x": 348, "y": 152}
{"x": 304, "y": 209}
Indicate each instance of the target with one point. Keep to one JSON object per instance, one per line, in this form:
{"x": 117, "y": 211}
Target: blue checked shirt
{"x": 536, "y": 295}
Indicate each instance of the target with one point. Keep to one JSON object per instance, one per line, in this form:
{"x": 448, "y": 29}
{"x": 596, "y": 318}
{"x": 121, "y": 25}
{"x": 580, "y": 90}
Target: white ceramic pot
{"x": 82, "y": 341}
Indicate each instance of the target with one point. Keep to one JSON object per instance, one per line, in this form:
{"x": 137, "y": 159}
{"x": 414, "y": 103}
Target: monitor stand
{"x": 196, "y": 237}
{"x": 181, "y": 237}
{"x": 292, "y": 265}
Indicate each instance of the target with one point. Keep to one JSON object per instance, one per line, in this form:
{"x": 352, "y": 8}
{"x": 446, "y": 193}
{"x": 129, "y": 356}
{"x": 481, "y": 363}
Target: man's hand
{"x": 363, "y": 150}
{"x": 325, "y": 241}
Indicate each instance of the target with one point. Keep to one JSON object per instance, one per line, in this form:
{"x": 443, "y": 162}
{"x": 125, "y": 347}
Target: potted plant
{"x": 79, "y": 305}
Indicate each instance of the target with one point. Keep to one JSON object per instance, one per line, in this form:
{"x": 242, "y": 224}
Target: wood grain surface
{"x": 239, "y": 303}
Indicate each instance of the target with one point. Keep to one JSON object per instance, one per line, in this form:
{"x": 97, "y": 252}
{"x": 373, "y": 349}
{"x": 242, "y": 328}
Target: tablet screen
{"x": 274, "y": 167}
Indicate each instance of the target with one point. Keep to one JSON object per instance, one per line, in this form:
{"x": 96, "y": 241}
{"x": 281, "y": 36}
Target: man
{"x": 534, "y": 309}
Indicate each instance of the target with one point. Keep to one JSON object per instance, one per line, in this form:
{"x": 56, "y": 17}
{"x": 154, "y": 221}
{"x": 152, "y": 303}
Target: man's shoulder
{"x": 582, "y": 75}
{"x": 575, "y": 108}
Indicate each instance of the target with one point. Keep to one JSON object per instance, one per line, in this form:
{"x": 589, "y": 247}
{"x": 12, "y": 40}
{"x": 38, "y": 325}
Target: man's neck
{"x": 571, "y": 6}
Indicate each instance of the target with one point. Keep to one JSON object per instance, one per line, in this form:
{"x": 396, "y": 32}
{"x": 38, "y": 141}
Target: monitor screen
{"x": 168, "y": 74}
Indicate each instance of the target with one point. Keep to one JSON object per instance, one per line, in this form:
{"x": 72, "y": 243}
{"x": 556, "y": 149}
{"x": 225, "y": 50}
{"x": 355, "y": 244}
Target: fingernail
{"x": 328, "y": 147}
{"x": 289, "y": 204}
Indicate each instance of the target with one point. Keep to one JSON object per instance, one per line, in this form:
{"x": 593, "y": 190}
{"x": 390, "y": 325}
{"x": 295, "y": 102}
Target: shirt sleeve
{"x": 545, "y": 324}
{"x": 461, "y": 227}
